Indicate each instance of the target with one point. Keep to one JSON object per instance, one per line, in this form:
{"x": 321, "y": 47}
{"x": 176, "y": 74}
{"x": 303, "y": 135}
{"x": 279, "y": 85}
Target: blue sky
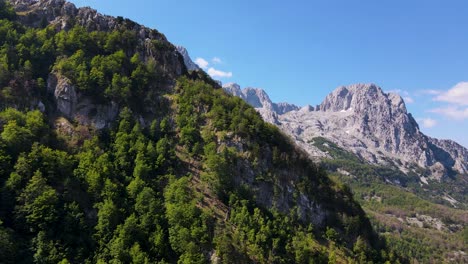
{"x": 301, "y": 50}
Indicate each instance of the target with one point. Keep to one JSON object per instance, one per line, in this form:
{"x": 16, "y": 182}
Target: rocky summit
{"x": 368, "y": 122}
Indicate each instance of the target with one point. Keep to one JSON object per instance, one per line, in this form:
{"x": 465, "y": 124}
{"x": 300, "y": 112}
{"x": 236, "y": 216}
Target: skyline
{"x": 301, "y": 51}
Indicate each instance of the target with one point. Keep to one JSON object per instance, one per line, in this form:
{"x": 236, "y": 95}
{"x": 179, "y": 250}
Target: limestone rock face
{"x": 259, "y": 99}
{"x": 64, "y": 94}
{"x": 75, "y": 106}
{"x": 364, "y": 120}
{"x": 63, "y": 15}
{"x": 191, "y": 66}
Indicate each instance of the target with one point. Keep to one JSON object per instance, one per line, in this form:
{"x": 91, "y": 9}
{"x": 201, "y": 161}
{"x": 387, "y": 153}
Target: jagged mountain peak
{"x": 306, "y": 109}
{"x": 258, "y": 98}
{"x": 397, "y": 101}
{"x": 372, "y": 124}
{"x": 234, "y": 89}
{"x": 362, "y": 97}
{"x": 231, "y": 84}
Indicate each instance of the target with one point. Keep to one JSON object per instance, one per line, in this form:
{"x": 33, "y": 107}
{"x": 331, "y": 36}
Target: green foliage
{"x": 306, "y": 249}
{"x": 390, "y": 205}
{"x": 188, "y": 230}
{"x": 219, "y": 169}
{"x": 331, "y": 234}
{"x": 336, "y": 152}
{"x": 21, "y": 130}
{"x": 6, "y": 10}
{"x": 122, "y": 195}
{"x": 37, "y": 204}
{"x": 8, "y": 247}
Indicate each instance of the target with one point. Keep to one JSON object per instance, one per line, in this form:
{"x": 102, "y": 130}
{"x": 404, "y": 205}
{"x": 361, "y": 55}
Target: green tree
{"x": 8, "y": 246}
{"x": 38, "y": 204}
{"x": 119, "y": 89}
{"x": 188, "y": 230}
{"x": 360, "y": 248}
{"x": 6, "y": 10}
{"x": 46, "y": 250}
{"x": 107, "y": 220}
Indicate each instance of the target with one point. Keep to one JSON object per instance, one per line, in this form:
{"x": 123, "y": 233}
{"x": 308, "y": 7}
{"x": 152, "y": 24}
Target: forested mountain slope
{"x": 112, "y": 152}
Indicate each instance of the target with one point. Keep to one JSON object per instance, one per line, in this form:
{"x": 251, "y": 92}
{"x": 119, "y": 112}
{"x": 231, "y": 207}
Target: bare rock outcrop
{"x": 78, "y": 107}
{"x": 64, "y": 93}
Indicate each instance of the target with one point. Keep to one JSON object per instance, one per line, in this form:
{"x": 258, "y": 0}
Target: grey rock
{"x": 64, "y": 94}
{"x": 283, "y": 108}
{"x": 234, "y": 89}
{"x": 41, "y": 106}
{"x": 191, "y": 66}
{"x": 361, "y": 118}
{"x": 78, "y": 107}
{"x": 447, "y": 150}
{"x": 259, "y": 99}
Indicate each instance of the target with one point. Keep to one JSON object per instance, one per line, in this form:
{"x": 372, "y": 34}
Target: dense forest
{"x": 184, "y": 174}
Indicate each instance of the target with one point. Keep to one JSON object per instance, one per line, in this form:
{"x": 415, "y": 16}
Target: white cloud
{"x": 427, "y": 122}
{"x": 453, "y": 112}
{"x": 408, "y": 100}
{"x": 216, "y": 60}
{"x": 457, "y": 95}
{"x": 214, "y": 73}
{"x": 202, "y": 63}
{"x": 219, "y": 74}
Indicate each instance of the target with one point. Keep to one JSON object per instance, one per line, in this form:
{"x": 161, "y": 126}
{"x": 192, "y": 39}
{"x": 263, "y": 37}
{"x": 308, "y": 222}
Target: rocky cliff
{"x": 74, "y": 103}
{"x": 374, "y": 125}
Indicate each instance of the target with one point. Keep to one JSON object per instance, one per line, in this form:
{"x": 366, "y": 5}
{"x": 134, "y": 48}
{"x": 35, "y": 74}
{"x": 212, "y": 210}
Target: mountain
{"x": 373, "y": 125}
{"x": 111, "y": 151}
{"x": 407, "y": 182}
{"x": 191, "y": 66}
{"x": 259, "y": 99}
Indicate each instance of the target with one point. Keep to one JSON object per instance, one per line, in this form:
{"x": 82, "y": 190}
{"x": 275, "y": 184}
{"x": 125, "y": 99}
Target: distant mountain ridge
{"x": 259, "y": 99}
{"x": 363, "y": 119}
